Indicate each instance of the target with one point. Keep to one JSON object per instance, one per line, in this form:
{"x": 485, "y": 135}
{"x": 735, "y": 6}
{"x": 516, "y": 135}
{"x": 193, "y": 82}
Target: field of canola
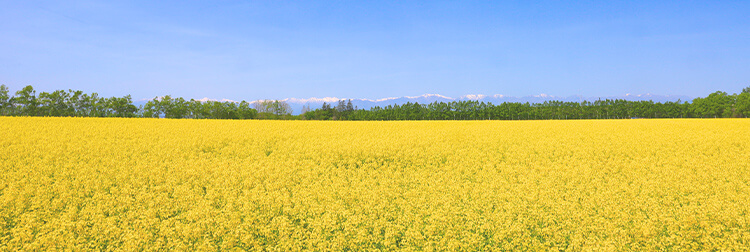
{"x": 156, "y": 184}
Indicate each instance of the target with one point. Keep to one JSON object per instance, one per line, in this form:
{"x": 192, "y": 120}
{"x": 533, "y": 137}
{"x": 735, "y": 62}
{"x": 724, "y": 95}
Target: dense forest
{"x": 26, "y": 102}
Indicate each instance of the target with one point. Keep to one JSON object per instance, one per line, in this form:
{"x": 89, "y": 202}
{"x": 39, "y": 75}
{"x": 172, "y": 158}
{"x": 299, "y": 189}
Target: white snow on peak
{"x": 205, "y": 99}
{"x": 333, "y": 100}
{"x": 312, "y": 100}
{"x": 474, "y": 97}
{"x": 336, "y": 99}
{"x": 408, "y": 97}
{"x": 543, "y": 96}
{"x": 481, "y": 96}
{"x": 380, "y": 100}
{"x": 430, "y": 95}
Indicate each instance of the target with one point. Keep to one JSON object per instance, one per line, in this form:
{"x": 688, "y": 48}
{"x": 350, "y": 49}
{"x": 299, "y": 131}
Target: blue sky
{"x": 247, "y": 50}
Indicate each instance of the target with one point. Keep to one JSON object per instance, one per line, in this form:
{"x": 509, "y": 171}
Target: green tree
{"x": 742, "y": 105}
{"x": 717, "y": 104}
{"x": 5, "y": 104}
{"x": 121, "y": 107}
{"x": 272, "y": 109}
{"x": 245, "y": 112}
{"x": 88, "y": 105}
{"x": 174, "y": 107}
{"x": 26, "y": 101}
{"x": 167, "y": 105}
{"x": 73, "y": 102}
{"x": 54, "y": 104}
{"x": 152, "y": 108}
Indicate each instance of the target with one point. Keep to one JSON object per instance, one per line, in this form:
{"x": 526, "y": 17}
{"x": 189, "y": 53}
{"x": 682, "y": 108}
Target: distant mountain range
{"x": 314, "y": 103}
{"x": 494, "y": 99}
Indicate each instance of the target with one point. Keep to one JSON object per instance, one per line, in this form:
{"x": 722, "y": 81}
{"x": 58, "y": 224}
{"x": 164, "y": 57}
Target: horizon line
{"x": 331, "y": 99}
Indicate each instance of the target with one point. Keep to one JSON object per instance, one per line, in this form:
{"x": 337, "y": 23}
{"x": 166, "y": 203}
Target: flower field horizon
{"x": 120, "y": 184}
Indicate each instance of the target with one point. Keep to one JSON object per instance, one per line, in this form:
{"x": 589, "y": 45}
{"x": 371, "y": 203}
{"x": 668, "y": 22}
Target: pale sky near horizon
{"x": 248, "y": 50}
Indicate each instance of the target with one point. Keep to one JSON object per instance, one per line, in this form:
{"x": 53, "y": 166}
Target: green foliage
{"x": 718, "y": 104}
{"x": 168, "y": 107}
{"x": 76, "y": 103}
{"x": 26, "y": 102}
{"x": 272, "y": 109}
{"x": 343, "y": 111}
{"x": 742, "y": 105}
{"x": 66, "y": 103}
{"x": 5, "y": 104}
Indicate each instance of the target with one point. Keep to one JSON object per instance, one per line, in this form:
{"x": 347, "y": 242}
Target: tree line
{"x": 26, "y": 102}
{"x": 75, "y": 103}
{"x": 716, "y": 105}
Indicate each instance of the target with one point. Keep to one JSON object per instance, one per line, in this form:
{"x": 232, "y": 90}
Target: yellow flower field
{"x": 156, "y": 184}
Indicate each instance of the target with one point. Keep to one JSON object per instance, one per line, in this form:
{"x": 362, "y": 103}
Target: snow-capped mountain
{"x": 494, "y": 99}
{"x": 298, "y": 103}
